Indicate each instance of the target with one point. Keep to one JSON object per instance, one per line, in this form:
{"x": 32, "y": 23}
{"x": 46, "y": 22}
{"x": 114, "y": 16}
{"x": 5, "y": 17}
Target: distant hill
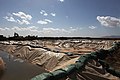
{"x": 112, "y": 36}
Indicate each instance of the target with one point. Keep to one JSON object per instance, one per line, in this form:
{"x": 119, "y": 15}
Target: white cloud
{"x": 45, "y": 21}
{"x": 53, "y": 14}
{"x": 24, "y": 18}
{"x": 43, "y": 13}
{"x": 50, "y": 30}
{"x": 109, "y": 21}
{"x": 22, "y": 15}
{"x": 15, "y": 28}
{"x": 2, "y": 29}
{"x": 44, "y": 30}
{"x": 23, "y": 22}
{"x": 24, "y": 31}
{"x": 11, "y": 19}
{"x": 5, "y": 29}
{"x": 42, "y": 22}
{"x": 58, "y": 30}
{"x": 92, "y": 27}
{"x": 61, "y": 0}
{"x": 33, "y": 30}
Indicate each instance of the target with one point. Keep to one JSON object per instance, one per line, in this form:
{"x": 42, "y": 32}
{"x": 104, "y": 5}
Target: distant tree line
{"x": 17, "y": 37}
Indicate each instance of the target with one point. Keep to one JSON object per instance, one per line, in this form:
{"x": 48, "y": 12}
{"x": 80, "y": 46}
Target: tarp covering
{"x": 94, "y": 66}
{"x": 39, "y": 56}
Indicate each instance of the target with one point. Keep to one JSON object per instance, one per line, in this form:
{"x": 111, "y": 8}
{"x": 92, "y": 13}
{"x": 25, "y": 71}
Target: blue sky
{"x": 91, "y": 18}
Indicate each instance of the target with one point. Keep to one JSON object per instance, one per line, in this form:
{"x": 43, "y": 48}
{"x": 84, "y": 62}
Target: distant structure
{"x": 1, "y": 36}
{"x": 16, "y": 34}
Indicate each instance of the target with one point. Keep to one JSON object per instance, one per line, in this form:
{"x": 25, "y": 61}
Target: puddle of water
{"x": 17, "y": 69}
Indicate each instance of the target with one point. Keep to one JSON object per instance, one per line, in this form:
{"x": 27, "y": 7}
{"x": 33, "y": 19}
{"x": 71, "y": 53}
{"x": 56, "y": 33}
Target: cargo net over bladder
{"x": 99, "y": 65}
